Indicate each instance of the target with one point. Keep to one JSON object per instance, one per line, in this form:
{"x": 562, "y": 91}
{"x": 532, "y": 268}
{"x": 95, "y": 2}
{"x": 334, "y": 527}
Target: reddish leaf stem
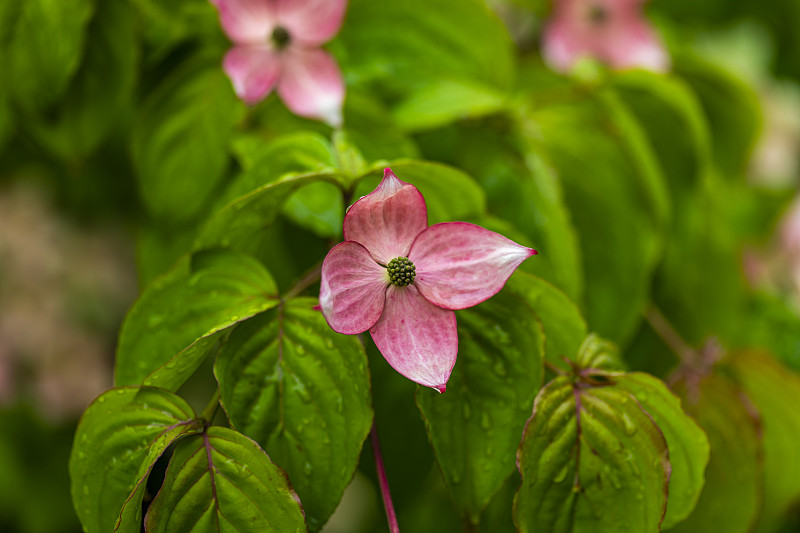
{"x": 391, "y": 517}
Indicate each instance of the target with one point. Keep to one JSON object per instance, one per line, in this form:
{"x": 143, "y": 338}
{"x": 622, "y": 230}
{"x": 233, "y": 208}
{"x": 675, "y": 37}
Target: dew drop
{"x": 628, "y": 425}
{"x": 500, "y": 369}
{"x": 308, "y": 468}
{"x": 466, "y": 412}
{"x": 562, "y": 474}
{"x": 486, "y": 422}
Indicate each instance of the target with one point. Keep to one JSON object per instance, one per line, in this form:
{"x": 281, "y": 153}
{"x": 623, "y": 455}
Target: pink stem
{"x": 391, "y": 517}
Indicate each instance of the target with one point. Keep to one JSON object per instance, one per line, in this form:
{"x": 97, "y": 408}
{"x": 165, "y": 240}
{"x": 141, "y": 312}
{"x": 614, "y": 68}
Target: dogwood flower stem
{"x": 669, "y": 335}
{"x": 391, "y": 517}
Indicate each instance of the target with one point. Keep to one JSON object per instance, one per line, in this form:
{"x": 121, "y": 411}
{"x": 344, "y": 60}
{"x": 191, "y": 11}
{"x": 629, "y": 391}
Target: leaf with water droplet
{"x": 606, "y": 446}
{"x": 475, "y": 426}
{"x": 118, "y": 440}
{"x": 687, "y": 443}
{"x": 302, "y": 391}
{"x": 202, "y": 295}
{"x": 205, "y": 473}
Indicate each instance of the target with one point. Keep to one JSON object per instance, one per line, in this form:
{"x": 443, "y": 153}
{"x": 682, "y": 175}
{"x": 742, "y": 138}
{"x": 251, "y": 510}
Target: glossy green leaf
{"x": 591, "y": 461}
{"x": 688, "y": 444}
{"x": 303, "y": 391}
{"x": 732, "y": 495}
{"x": 119, "y": 438}
{"x": 597, "y": 353}
{"x": 203, "y": 294}
{"x": 241, "y": 224}
{"x": 44, "y": 49}
{"x": 223, "y": 481}
{"x": 414, "y": 42}
{"x": 775, "y": 391}
{"x": 181, "y": 138}
{"x": 475, "y": 426}
{"x": 102, "y": 88}
{"x": 564, "y": 327}
{"x": 438, "y": 104}
{"x": 266, "y": 162}
{"x": 449, "y": 193}
{"x": 315, "y": 206}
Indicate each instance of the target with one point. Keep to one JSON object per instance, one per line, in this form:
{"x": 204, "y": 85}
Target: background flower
{"x": 276, "y": 44}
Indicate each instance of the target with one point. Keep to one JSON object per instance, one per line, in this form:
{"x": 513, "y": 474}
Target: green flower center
{"x": 280, "y": 37}
{"x": 598, "y": 15}
{"x": 401, "y": 271}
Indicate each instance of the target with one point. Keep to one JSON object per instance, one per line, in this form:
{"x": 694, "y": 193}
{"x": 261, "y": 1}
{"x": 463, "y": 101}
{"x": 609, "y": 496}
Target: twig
{"x": 667, "y": 333}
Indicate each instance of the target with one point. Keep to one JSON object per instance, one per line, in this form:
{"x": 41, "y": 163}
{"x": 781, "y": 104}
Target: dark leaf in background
{"x": 733, "y": 492}
{"x": 181, "y": 140}
{"x": 43, "y": 49}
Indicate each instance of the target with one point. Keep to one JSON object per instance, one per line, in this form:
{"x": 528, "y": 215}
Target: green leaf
{"x": 591, "y": 461}
{"x": 688, "y": 444}
{"x": 266, "y": 162}
{"x": 564, "y": 327}
{"x": 303, "y": 391}
{"x": 181, "y": 138}
{"x": 416, "y": 42}
{"x": 732, "y": 494}
{"x": 315, "y": 206}
{"x": 597, "y": 353}
{"x": 720, "y": 93}
{"x": 475, "y": 426}
{"x": 119, "y": 438}
{"x": 203, "y": 294}
{"x": 606, "y": 167}
{"x": 223, "y": 481}
{"x": 438, "y": 104}
{"x": 775, "y": 391}
{"x": 673, "y": 119}
{"x": 100, "y": 93}
{"x": 241, "y": 224}
{"x": 449, "y": 193}
{"x": 349, "y": 156}
{"x": 44, "y": 49}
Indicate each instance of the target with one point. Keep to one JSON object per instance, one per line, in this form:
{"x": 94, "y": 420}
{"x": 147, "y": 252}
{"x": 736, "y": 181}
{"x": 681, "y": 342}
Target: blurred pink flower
{"x": 612, "y": 31}
{"x": 277, "y": 43}
{"x": 402, "y": 280}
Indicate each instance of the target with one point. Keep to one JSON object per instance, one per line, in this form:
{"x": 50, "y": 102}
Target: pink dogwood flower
{"x": 402, "y": 280}
{"x": 612, "y": 31}
{"x": 277, "y": 43}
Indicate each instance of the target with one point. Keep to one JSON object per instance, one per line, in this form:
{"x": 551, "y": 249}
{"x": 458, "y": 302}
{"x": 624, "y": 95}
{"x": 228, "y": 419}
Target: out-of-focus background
{"x": 74, "y": 78}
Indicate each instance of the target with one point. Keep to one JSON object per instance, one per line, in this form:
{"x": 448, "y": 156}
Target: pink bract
{"x": 413, "y": 323}
{"x": 276, "y": 45}
{"x": 613, "y": 31}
